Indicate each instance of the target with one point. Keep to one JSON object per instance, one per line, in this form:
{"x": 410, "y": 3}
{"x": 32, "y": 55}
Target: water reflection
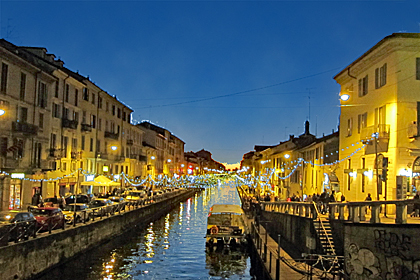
{"x": 226, "y": 262}
{"x": 172, "y": 247}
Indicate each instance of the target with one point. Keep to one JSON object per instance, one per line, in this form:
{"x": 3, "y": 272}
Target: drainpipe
{"x": 348, "y": 73}
{"x": 61, "y": 125}
{"x": 96, "y": 134}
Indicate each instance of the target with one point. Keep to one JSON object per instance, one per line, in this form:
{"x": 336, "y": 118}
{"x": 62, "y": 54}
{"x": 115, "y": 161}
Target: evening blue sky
{"x": 221, "y": 75}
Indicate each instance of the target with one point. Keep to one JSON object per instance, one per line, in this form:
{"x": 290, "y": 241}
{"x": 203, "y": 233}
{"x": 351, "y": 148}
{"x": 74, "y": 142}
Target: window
{"x": 84, "y": 117}
{"x": 100, "y": 124}
{"x": 380, "y": 76}
{"x": 349, "y": 126}
{"x": 85, "y": 94}
{"x": 57, "y": 85}
{"x": 56, "y": 110}
{"x": 22, "y": 86}
{"x": 76, "y": 116}
{"x": 53, "y": 143}
{"x": 66, "y": 113}
{"x": 93, "y": 121}
{"x": 361, "y": 122}
{"x": 23, "y": 114}
{"x": 74, "y": 144}
{"x": 3, "y": 146}
{"x": 3, "y": 82}
{"x": 363, "y": 86}
{"x": 380, "y": 115}
{"x": 91, "y": 145}
{"x": 93, "y": 98}
{"x": 348, "y": 175}
{"x": 417, "y": 70}
{"x": 124, "y": 116}
{"x": 83, "y": 142}
{"x": 363, "y": 175}
{"x": 113, "y": 110}
{"x": 41, "y": 121}
{"x": 119, "y": 113}
{"x": 98, "y": 146}
{"x": 76, "y": 97}
{"x": 107, "y": 107}
{"x": 65, "y": 141}
{"x": 99, "y": 102}
{"x": 42, "y": 94}
{"x": 66, "y": 95}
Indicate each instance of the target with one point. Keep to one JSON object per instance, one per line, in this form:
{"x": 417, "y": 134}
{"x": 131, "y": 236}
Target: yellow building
{"x": 379, "y": 121}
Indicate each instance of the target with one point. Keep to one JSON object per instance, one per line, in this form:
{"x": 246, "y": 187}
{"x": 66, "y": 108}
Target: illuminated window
{"x": 349, "y": 126}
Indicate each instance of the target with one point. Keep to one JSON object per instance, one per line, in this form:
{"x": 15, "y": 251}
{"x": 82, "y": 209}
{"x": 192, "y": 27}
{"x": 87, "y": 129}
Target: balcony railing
{"x": 111, "y": 135}
{"x": 72, "y": 124}
{"x": 134, "y": 156}
{"x": 368, "y": 132}
{"x": 86, "y": 127}
{"x": 55, "y": 153}
{"x": 101, "y": 155}
{"x": 130, "y": 142}
{"x": 25, "y": 128}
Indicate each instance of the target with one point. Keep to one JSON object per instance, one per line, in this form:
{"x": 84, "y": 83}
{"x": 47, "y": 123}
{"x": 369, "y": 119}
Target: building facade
{"x": 379, "y": 120}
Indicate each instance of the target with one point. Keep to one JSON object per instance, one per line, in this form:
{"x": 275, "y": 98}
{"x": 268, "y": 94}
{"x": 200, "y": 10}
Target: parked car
{"x": 101, "y": 206}
{"x": 48, "y": 217}
{"x": 82, "y": 212}
{"x": 21, "y": 224}
{"x": 119, "y": 201}
{"x": 80, "y": 198}
{"x": 135, "y": 195}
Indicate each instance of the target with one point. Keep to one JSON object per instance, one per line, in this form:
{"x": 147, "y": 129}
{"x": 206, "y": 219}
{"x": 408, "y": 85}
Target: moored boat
{"x": 226, "y": 225}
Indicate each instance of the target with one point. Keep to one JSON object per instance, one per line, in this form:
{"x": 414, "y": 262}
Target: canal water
{"x": 172, "y": 247}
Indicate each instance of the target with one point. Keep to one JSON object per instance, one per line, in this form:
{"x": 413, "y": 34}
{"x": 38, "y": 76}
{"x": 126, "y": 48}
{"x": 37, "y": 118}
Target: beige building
{"x": 303, "y": 165}
{"x": 379, "y": 123}
{"x": 58, "y": 127}
{"x": 165, "y": 150}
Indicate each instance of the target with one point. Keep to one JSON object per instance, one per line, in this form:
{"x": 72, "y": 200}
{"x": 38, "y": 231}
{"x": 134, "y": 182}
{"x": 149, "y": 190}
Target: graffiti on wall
{"x": 392, "y": 244}
{"x": 391, "y": 262}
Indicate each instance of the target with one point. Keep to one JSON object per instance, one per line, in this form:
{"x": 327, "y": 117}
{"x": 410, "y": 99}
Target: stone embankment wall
{"x": 26, "y": 259}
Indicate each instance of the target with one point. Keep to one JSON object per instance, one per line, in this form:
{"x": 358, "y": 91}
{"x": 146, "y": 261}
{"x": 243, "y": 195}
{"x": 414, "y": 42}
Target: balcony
{"x": 130, "y": 142}
{"x": 111, "y": 135}
{"x": 101, "y": 155}
{"x": 66, "y": 123}
{"x": 25, "y": 128}
{"x": 9, "y": 163}
{"x": 367, "y": 132}
{"x": 55, "y": 153}
{"x": 381, "y": 145}
{"x": 86, "y": 127}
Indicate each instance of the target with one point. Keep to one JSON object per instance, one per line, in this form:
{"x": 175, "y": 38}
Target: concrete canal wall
{"x": 26, "y": 259}
{"x": 370, "y": 250}
{"x": 298, "y": 234}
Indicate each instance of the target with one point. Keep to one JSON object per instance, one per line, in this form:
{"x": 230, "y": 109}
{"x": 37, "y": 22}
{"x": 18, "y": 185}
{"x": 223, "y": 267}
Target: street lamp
{"x": 2, "y": 112}
{"x": 114, "y": 148}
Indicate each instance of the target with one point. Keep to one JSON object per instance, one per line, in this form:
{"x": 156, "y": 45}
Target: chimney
{"x": 307, "y": 128}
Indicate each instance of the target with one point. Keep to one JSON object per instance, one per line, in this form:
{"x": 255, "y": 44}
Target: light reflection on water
{"x": 172, "y": 247}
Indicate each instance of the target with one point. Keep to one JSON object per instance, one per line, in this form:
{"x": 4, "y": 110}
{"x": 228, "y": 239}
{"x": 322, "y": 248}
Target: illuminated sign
{"x": 89, "y": 178}
{"x": 105, "y": 168}
{"x": 17, "y": 175}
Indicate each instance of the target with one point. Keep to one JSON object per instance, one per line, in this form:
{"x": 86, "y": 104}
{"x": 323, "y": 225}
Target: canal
{"x": 172, "y": 247}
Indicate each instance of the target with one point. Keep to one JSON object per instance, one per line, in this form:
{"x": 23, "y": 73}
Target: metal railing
{"x": 16, "y": 232}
